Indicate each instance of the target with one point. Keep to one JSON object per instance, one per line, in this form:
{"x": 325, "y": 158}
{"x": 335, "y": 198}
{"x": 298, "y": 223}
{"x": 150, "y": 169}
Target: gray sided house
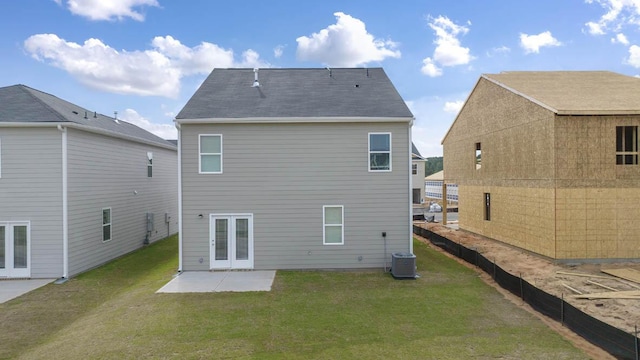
{"x": 417, "y": 175}
{"x": 294, "y": 169}
{"x": 77, "y": 188}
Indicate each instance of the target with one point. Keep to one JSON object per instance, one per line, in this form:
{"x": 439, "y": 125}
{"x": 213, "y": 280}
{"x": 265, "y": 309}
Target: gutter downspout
{"x": 179, "y": 198}
{"x": 65, "y": 209}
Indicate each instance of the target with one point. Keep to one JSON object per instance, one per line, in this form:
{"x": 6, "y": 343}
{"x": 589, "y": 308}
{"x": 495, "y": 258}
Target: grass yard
{"x": 113, "y": 313}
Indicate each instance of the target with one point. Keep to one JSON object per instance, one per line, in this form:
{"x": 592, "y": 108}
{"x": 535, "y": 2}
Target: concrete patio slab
{"x": 11, "y": 289}
{"x": 220, "y": 281}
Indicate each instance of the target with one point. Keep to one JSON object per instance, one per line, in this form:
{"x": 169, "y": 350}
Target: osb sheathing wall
{"x": 597, "y": 201}
{"x": 555, "y": 187}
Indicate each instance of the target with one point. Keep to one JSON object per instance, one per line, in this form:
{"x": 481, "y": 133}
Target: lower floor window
{"x": 333, "y": 224}
{"x": 106, "y": 224}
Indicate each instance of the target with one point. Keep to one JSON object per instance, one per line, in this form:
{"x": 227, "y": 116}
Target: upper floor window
{"x": 0, "y": 158}
{"x": 478, "y": 155}
{"x": 626, "y": 145}
{"x": 379, "y": 151}
{"x": 414, "y": 169}
{"x": 210, "y": 154}
{"x": 149, "y": 164}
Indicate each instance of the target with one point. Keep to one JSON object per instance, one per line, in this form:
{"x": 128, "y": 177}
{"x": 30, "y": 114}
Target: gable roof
{"x": 575, "y": 92}
{"x": 20, "y": 104}
{"x": 296, "y": 93}
{"x": 415, "y": 154}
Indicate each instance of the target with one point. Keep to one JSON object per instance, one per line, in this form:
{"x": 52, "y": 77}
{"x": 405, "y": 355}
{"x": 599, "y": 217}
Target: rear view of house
{"x": 548, "y": 161}
{"x": 77, "y": 188}
{"x": 294, "y": 169}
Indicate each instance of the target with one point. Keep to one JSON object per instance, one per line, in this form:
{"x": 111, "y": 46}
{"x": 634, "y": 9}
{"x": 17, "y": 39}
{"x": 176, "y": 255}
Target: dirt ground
{"x": 543, "y": 273}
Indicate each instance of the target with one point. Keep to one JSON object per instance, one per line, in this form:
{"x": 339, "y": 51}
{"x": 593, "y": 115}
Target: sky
{"x": 144, "y": 59}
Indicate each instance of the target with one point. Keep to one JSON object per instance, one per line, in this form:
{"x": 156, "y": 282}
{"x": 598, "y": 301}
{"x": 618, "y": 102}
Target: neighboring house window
{"x": 487, "y": 206}
{"x": 333, "y": 225}
{"x": 0, "y": 158}
{"x": 414, "y": 169}
{"x": 478, "y": 155}
{"x": 210, "y": 154}
{"x": 106, "y": 224}
{"x": 626, "y": 145}
{"x": 379, "y": 151}
{"x": 149, "y": 164}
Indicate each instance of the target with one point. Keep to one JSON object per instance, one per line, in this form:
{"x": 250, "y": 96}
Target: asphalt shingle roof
{"x": 575, "y": 92}
{"x": 296, "y": 93}
{"x": 22, "y": 104}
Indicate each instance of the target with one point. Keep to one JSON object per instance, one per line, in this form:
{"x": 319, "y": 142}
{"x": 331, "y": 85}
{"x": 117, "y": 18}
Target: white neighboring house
{"x": 417, "y": 175}
{"x": 294, "y": 169}
{"x": 77, "y": 188}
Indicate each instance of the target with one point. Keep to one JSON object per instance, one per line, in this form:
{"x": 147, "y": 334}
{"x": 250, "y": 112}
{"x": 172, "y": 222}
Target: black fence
{"x": 618, "y": 343}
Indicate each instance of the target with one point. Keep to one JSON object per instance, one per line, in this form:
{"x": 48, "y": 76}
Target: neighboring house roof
{"x": 296, "y": 93}
{"x": 438, "y": 176}
{"x": 22, "y": 104}
{"x": 574, "y": 92}
{"x": 415, "y": 154}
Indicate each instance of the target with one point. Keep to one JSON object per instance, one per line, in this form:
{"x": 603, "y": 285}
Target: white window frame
{"x": 0, "y": 158}
{"x": 149, "y": 164}
{"x": 414, "y": 169}
{"x": 369, "y": 152}
{"x": 325, "y": 225}
{"x": 201, "y": 153}
{"x": 107, "y": 224}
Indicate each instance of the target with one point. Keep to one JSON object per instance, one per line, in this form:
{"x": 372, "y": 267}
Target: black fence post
{"x": 494, "y": 269}
{"x": 636, "y": 341}
{"x": 521, "y": 292}
{"x": 562, "y": 310}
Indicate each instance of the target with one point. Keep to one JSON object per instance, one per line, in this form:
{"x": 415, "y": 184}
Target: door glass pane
{"x": 2, "y": 246}
{"x": 222, "y": 239}
{"x": 242, "y": 239}
{"x": 19, "y": 247}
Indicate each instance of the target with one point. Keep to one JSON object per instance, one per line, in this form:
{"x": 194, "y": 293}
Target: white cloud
{"x": 620, "y": 38}
{"x": 157, "y": 71}
{"x": 345, "y": 44}
{"x": 448, "y": 51}
{"x": 277, "y": 51}
{"x": 533, "y": 43}
{"x": 619, "y": 13}
{"x": 499, "y": 51}
{"x": 429, "y": 68}
{"x": 453, "y": 106}
{"x": 634, "y": 56}
{"x": 108, "y": 10}
{"x": 165, "y": 131}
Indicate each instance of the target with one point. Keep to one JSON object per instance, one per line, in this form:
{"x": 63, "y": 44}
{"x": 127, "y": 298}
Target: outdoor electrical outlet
{"x": 384, "y": 234}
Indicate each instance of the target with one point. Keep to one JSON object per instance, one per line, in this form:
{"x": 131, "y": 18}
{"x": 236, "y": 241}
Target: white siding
{"x": 31, "y": 190}
{"x": 109, "y": 172}
{"x": 284, "y": 174}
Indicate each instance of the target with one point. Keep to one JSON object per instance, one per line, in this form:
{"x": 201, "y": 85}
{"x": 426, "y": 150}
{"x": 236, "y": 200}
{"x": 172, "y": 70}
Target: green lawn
{"x": 113, "y": 313}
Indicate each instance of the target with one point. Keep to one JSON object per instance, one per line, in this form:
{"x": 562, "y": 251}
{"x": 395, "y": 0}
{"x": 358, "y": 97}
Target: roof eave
{"x": 72, "y": 125}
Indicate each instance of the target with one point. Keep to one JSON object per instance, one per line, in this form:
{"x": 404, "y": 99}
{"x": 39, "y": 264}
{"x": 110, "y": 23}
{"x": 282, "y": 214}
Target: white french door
{"x": 231, "y": 241}
{"x": 15, "y": 250}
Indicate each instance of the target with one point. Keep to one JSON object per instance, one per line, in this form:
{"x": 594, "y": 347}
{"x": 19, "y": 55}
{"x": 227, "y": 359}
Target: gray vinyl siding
{"x": 31, "y": 190}
{"x": 283, "y": 174}
{"x": 107, "y": 172}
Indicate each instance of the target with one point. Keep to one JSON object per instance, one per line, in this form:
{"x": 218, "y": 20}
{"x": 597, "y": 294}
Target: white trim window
{"x": 333, "y": 225}
{"x": 106, "y": 224}
{"x": 379, "y": 152}
{"x": 149, "y": 164}
{"x": 210, "y": 150}
{"x": 0, "y": 158}
{"x": 414, "y": 169}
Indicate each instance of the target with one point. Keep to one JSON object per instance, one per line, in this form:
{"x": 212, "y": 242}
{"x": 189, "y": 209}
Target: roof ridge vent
{"x": 256, "y": 83}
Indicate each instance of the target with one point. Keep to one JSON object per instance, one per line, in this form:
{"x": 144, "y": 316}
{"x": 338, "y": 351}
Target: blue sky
{"x": 145, "y": 58}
